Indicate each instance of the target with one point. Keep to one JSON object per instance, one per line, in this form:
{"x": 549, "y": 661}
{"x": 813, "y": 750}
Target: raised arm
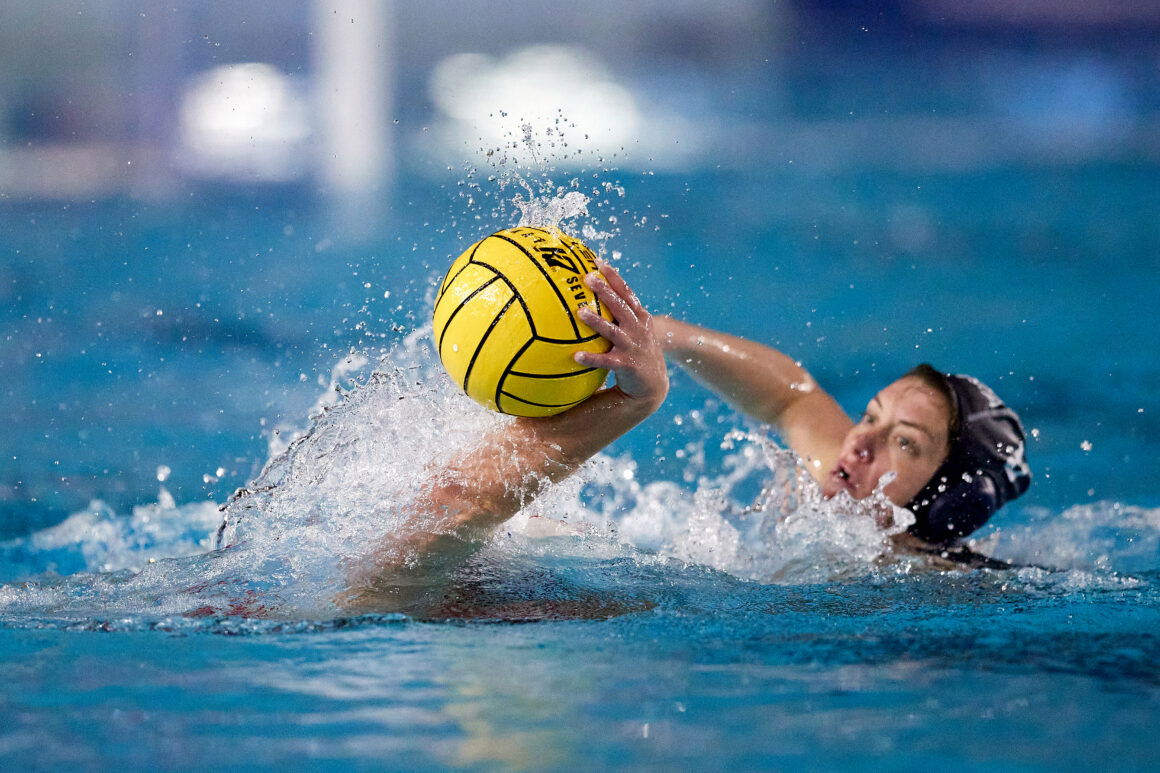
{"x": 490, "y": 483}
{"x": 763, "y": 383}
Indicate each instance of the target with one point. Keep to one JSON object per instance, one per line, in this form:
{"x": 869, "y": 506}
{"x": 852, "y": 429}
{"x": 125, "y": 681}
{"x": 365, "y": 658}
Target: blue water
{"x": 668, "y": 629}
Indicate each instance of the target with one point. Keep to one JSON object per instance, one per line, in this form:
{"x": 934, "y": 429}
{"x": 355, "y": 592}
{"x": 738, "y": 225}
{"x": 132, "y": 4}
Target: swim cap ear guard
{"x": 984, "y": 470}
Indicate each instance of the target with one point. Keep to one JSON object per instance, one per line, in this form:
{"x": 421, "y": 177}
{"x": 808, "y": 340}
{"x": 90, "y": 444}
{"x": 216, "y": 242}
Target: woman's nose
{"x": 864, "y": 446}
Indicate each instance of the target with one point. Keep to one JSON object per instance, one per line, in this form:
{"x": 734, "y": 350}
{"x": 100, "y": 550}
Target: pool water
{"x": 157, "y": 357}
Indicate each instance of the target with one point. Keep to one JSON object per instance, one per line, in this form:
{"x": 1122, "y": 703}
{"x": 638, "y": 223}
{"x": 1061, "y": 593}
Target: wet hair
{"x": 985, "y": 465}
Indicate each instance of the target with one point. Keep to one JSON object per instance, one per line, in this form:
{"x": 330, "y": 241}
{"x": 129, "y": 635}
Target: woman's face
{"x": 905, "y": 430}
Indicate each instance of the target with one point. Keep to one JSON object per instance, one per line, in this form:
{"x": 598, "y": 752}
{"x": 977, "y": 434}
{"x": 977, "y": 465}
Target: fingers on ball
{"x": 607, "y": 292}
{"x": 607, "y": 330}
{"x": 593, "y": 360}
{"x": 617, "y": 283}
{"x": 615, "y": 280}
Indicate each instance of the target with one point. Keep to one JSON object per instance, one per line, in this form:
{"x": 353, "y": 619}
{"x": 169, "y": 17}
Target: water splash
{"x": 350, "y": 479}
{"x": 382, "y": 427}
{"x": 97, "y": 539}
{"x": 586, "y": 204}
{"x": 549, "y": 213}
{"x": 351, "y": 475}
{"x": 1101, "y": 537}
{"x": 788, "y": 534}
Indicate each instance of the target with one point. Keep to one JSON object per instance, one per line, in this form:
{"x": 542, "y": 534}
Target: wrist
{"x": 666, "y": 331}
{"x": 640, "y": 406}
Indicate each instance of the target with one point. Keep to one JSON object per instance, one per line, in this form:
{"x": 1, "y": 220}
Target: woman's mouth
{"x": 841, "y": 478}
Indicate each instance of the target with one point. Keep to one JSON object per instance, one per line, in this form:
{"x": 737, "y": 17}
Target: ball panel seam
{"x": 569, "y": 374}
{"x": 542, "y": 270}
{"x": 583, "y": 340}
{"x": 483, "y": 340}
{"x": 448, "y": 280}
{"x": 508, "y": 368}
{"x": 515, "y": 292}
{"x": 463, "y": 303}
{"x": 542, "y": 405}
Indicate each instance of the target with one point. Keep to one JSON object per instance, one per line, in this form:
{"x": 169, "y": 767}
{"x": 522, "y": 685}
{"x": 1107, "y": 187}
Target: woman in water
{"x": 954, "y": 451}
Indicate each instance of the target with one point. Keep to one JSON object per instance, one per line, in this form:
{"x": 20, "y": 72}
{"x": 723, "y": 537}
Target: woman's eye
{"x": 908, "y": 445}
{"x": 867, "y": 418}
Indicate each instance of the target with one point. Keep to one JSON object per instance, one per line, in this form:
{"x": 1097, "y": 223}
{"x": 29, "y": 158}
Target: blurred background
{"x": 203, "y": 208}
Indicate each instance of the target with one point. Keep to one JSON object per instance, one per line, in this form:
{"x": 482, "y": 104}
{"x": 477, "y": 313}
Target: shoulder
{"x": 815, "y": 426}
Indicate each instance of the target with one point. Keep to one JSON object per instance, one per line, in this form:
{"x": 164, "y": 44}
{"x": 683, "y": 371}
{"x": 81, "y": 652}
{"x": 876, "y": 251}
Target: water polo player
{"x": 955, "y": 451}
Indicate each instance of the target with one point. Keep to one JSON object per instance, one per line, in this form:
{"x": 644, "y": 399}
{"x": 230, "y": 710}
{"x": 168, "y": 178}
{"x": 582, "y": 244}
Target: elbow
{"x": 457, "y": 506}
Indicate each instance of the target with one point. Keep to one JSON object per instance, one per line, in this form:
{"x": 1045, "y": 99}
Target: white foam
{"x": 1102, "y": 536}
{"x": 549, "y": 213}
{"x": 107, "y": 542}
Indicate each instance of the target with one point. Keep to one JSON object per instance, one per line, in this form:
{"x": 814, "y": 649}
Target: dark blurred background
{"x": 203, "y": 207}
{"x": 107, "y": 97}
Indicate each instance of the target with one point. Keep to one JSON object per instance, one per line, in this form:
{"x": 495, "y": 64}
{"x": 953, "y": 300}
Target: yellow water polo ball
{"x": 506, "y": 326}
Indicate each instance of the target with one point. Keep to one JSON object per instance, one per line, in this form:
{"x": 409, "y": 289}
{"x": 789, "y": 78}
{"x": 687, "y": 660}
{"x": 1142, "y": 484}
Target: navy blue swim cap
{"x": 985, "y": 468}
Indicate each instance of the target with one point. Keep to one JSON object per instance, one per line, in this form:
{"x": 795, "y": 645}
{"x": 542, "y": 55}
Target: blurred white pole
{"x": 161, "y": 29}
{"x": 354, "y": 84}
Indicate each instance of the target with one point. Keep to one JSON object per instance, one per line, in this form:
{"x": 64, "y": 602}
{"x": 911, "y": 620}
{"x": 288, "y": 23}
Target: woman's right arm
{"x": 763, "y": 383}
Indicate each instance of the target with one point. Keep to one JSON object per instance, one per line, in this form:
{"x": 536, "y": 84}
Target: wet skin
{"x": 905, "y": 431}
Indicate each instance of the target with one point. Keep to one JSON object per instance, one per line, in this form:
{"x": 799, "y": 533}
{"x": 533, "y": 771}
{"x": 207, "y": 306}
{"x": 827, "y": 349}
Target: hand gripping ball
{"x": 506, "y": 327}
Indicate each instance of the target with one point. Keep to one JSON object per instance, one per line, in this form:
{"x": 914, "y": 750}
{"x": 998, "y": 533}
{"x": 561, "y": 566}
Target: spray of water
{"x": 351, "y": 477}
{"x": 285, "y": 546}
